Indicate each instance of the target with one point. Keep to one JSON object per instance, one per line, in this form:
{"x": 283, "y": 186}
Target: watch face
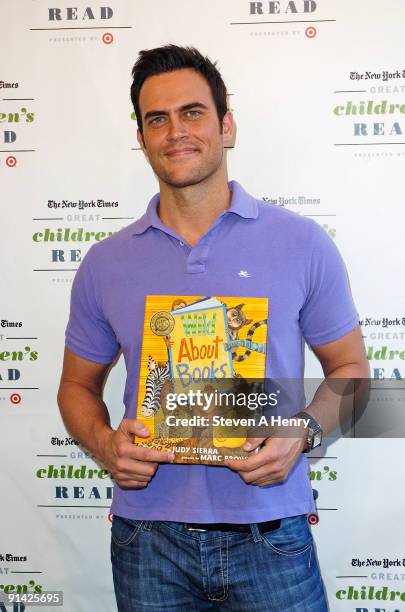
{"x": 317, "y": 439}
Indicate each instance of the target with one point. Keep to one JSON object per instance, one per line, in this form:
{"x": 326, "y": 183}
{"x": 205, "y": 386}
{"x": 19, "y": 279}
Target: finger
{"x": 132, "y": 468}
{"x": 262, "y": 477}
{"x": 258, "y": 475}
{"x": 126, "y": 477}
{"x": 135, "y": 427}
{"x": 150, "y": 454}
{"x": 265, "y": 482}
{"x": 252, "y": 443}
{"x": 131, "y": 484}
{"x": 264, "y": 456}
{"x": 135, "y": 471}
{"x": 271, "y": 480}
{"x": 275, "y": 473}
{"x": 126, "y": 449}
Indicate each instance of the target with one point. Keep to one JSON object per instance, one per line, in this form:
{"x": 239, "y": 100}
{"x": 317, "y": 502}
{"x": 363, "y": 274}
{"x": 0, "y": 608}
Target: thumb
{"x": 135, "y": 426}
{"x": 252, "y": 443}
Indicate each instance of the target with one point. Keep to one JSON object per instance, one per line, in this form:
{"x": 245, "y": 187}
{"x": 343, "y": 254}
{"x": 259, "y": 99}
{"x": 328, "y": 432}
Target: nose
{"x": 176, "y": 129}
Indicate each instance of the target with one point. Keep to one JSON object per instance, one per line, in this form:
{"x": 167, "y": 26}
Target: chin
{"x": 183, "y": 181}
{"x": 180, "y": 183}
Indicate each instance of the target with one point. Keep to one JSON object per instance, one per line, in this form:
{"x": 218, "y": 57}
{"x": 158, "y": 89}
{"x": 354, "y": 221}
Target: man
{"x": 191, "y": 537}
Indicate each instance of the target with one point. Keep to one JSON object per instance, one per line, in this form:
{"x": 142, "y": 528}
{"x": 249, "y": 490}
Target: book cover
{"x": 199, "y": 354}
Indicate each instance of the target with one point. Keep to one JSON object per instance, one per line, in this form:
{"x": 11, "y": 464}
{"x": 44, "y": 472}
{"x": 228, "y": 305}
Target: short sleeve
{"x": 88, "y": 333}
{"x": 328, "y": 312}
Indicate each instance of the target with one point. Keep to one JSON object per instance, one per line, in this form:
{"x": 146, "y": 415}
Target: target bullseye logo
{"x": 107, "y": 38}
{"x": 110, "y": 516}
{"x": 15, "y": 398}
{"x": 310, "y": 32}
{"x": 313, "y": 519}
{"x": 11, "y": 161}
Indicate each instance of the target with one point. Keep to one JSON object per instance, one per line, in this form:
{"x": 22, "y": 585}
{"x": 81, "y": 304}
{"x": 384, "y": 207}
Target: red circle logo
{"x": 310, "y": 32}
{"x": 11, "y": 161}
{"x": 107, "y": 38}
{"x": 110, "y": 516}
{"x": 15, "y": 398}
{"x": 313, "y": 519}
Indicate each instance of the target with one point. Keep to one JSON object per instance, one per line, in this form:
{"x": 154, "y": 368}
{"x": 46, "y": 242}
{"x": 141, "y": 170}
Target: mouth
{"x": 184, "y": 152}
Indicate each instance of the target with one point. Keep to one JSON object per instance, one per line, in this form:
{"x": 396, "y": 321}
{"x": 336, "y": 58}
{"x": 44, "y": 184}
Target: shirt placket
{"x": 198, "y": 255}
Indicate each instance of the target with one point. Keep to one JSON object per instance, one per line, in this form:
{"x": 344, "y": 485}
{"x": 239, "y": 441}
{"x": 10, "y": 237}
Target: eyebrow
{"x": 185, "y": 107}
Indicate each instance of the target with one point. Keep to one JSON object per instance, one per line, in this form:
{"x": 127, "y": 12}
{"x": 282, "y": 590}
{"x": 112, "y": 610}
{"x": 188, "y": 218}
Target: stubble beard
{"x": 200, "y": 175}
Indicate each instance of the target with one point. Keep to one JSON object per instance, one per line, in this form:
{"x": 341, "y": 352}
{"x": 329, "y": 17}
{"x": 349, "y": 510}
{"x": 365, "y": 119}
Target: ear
{"x": 229, "y": 130}
{"x": 141, "y": 142}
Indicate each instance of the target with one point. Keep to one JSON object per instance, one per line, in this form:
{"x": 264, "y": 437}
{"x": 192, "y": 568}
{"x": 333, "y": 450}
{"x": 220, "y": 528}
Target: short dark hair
{"x": 172, "y": 57}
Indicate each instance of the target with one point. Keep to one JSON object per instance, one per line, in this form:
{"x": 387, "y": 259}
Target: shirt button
{"x": 181, "y": 243}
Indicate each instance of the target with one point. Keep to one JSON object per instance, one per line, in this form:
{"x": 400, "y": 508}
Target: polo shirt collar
{"x": 242, "y": 204}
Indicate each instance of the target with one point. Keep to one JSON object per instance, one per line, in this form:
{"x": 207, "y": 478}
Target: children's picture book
{"x": 199, "y": 354}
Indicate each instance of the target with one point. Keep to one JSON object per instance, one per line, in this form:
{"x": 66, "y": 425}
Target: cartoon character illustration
{"x": 236, "y": 320}
{"x": 178, "y": 303}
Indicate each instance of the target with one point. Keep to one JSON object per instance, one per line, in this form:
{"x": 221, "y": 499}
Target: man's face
{"x": 182, "y": 136}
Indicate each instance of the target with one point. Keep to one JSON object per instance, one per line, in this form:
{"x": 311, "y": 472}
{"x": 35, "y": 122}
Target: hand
{"x": 169, "y": 342}
{"x": 274, "y": 460}
{"x": 131, "y": 466}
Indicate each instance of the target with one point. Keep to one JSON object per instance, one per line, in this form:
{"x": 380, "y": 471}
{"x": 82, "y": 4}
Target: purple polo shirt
{"x": 255, "y": 250}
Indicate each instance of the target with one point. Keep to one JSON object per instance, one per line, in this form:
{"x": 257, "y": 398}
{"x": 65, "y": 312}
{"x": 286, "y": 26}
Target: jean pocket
{"x": 292, "y": 538}
{"x": 124, "y": 530}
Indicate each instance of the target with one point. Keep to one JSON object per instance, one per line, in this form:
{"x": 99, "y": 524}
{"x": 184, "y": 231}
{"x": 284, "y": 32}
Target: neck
{"x": 191, "y": 211}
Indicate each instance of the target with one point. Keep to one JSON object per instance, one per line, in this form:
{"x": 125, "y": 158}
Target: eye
{"x": 158, "y": 120}
{"x": 193, "y": 114}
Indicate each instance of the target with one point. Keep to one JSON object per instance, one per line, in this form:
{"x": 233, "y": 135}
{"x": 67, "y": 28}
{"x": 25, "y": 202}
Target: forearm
{"x": 85, "y": 415}
{"x": 344, "y": 390}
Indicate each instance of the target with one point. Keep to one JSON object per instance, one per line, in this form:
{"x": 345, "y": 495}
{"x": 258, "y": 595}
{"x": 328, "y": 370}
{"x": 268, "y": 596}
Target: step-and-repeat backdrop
{"x": 317, "y": 88}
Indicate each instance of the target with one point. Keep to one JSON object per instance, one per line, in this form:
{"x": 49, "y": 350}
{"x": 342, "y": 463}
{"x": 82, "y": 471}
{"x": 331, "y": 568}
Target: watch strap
{"x": 314, "y": 437}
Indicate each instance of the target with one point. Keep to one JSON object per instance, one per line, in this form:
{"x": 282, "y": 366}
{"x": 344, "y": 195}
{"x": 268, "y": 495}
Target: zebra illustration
{"x": 158, "y": 374}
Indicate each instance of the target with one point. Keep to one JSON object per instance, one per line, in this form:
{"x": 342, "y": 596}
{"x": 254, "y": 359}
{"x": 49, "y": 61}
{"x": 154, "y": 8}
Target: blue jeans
{"x": 162, "y": 567}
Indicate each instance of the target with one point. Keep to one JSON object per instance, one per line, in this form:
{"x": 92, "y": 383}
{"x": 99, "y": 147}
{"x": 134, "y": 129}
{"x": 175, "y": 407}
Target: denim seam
{"x": 286, "y": 553}
{"x": 227, "y": 565}
{"x": 203, "y": 562}
{"x": 223, "y": 573}
{"x": 223, "y": 576}
{"x": 129, "y": 539}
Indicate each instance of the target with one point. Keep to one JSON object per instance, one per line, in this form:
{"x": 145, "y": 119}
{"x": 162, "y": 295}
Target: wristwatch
{"x": 314, "y": 435}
